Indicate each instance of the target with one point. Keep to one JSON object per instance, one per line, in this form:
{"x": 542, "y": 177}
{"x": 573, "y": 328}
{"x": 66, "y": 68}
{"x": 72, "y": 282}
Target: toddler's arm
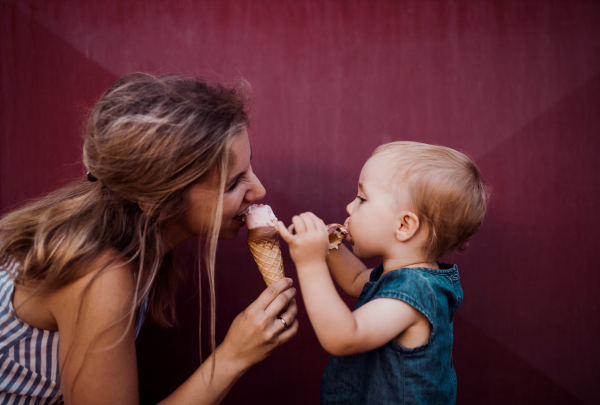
{"x": 348, "y": 271}
{"x": 340, "y": 331}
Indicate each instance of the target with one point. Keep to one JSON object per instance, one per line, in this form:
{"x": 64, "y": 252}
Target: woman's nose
{"x": 257, "y": 190}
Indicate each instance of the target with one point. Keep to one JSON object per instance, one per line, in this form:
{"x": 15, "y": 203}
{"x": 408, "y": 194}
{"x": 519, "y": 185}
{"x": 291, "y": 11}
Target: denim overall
{"x": 392, "y": 374}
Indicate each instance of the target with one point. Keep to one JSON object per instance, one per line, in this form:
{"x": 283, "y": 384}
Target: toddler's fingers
{"x": 309, "y": 221}
{"x": 299, "y": 224}
{"x": 285, "y": 233}
{"x": 320, "y": 223}
{"x": 316, "y": 222}
{"x": 305, "y": 221}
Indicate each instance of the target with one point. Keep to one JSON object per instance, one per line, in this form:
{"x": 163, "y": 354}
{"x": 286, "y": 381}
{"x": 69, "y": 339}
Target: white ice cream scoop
{"x": 258, "y": 215}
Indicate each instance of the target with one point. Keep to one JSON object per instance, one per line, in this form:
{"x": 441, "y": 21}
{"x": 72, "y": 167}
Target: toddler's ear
{"x": 408, "y": 225}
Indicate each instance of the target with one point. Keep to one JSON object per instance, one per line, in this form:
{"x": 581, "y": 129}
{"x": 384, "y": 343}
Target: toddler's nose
{"x": 349, "y": 208}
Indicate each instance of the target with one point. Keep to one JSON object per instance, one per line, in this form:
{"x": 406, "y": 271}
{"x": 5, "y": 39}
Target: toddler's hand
{"x": 310, "y": 243}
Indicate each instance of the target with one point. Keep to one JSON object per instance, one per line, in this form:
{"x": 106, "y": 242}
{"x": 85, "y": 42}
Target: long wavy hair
{"x": 148, "y": 140}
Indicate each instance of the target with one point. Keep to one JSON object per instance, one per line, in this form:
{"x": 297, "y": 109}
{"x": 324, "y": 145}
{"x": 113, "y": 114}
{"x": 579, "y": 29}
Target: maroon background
{"x": 515, "y": 84}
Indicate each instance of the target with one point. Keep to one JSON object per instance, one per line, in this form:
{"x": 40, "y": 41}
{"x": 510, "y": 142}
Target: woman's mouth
{"x": 241, "y": 217}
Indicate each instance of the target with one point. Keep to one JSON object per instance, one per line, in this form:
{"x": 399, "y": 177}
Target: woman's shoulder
{"x": 108, "y": 284}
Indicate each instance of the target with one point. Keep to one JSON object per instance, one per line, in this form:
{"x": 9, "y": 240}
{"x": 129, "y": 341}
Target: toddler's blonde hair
{"x": 447, "y": 192}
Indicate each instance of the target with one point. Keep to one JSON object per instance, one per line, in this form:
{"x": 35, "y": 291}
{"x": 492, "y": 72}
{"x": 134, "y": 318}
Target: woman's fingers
{"x": 289, "y": 315}
{"x": 286, "y": 322}
{"x": 281, "y": 302}
{"x": 288, "y": 333}
{"x": 270, "y": 294}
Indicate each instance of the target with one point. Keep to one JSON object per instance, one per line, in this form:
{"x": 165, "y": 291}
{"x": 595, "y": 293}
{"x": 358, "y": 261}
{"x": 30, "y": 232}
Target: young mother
{"x": 168, "y": 159}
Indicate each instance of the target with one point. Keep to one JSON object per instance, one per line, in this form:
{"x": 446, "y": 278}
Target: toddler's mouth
{"x": 349, "y": 234}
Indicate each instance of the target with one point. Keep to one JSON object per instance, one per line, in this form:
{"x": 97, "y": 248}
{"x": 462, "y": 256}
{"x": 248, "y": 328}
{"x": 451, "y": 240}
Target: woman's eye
{"x": 234, "y": 185}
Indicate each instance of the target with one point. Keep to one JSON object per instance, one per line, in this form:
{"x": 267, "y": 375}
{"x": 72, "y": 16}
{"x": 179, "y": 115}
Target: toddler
{"x": 415, "y": 203}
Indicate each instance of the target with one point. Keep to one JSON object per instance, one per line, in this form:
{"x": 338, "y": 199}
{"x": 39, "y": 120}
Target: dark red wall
{"x": 515, "y": 84}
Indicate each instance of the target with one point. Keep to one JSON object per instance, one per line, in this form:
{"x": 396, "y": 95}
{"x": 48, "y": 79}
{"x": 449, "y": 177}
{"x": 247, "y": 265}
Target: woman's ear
{"x": 407, "y": 226}
{"x": 144, "y": 207}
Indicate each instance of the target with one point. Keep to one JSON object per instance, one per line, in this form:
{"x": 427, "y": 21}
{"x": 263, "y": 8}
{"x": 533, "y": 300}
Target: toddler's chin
{"x": 356, "y": 251}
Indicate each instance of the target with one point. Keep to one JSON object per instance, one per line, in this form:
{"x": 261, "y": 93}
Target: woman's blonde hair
{"x": 446, "y": 189}
{"x": 148, "y": 140}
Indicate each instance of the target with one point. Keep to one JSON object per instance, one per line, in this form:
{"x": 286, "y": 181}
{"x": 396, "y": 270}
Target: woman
{"x": 168, "y": 159}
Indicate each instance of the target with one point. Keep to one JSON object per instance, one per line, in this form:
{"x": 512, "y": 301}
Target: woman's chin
{"x": 228, "y": 236}
{"x": 232, "y": 230}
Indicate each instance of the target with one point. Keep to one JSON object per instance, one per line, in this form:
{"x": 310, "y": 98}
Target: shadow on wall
{"x": 518, "y": 382}
{"x": 527, "y": 331}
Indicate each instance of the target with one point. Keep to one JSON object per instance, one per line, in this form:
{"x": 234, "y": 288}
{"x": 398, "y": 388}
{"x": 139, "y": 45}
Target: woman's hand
{"x": 310, "y": 243}
{"x": 251, "y": 338}
{"x": 257, "y": 331}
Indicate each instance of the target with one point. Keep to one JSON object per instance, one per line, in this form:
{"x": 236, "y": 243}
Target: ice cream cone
{"x": 267, "y": 255}
{"x": 263, "y": 241}
{"x": 336, "y": 234}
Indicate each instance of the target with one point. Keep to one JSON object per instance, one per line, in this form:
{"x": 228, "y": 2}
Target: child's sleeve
{"x": 412, "y": 287}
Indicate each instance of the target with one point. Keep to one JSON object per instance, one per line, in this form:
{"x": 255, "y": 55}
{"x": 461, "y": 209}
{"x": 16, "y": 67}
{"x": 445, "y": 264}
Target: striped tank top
{"x": 29, "y": 356}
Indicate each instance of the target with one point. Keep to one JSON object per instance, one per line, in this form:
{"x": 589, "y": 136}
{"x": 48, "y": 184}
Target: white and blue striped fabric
{"x": 29, "y": 356}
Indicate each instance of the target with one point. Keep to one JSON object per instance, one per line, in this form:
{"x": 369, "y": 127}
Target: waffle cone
{"x": 267, "y": 255}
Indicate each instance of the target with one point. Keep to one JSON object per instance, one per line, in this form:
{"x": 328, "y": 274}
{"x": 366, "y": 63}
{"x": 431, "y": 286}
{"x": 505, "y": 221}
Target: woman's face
{"x": 242, "y": 188}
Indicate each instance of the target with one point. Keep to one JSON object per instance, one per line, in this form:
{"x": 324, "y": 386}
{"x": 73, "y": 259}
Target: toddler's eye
{"x": 360, "y": 199}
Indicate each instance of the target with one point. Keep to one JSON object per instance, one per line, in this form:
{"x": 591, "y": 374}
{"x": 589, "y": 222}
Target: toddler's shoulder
{"x": 422, "y": 288}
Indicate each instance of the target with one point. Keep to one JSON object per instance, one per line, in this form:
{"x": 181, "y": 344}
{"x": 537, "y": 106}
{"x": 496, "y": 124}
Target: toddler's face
{"x": 374, "y": 213}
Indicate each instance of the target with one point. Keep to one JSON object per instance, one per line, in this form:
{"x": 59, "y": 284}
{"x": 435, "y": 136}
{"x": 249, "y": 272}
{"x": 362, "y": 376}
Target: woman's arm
{"x": 97, "y": 358}
{"x": 253, "y": 335}
{"x": 97, "y": 354}
{"x": 348, "y": 271}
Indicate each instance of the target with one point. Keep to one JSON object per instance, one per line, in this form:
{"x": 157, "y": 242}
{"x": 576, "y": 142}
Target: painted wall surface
{"x": 514, "y": 84}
